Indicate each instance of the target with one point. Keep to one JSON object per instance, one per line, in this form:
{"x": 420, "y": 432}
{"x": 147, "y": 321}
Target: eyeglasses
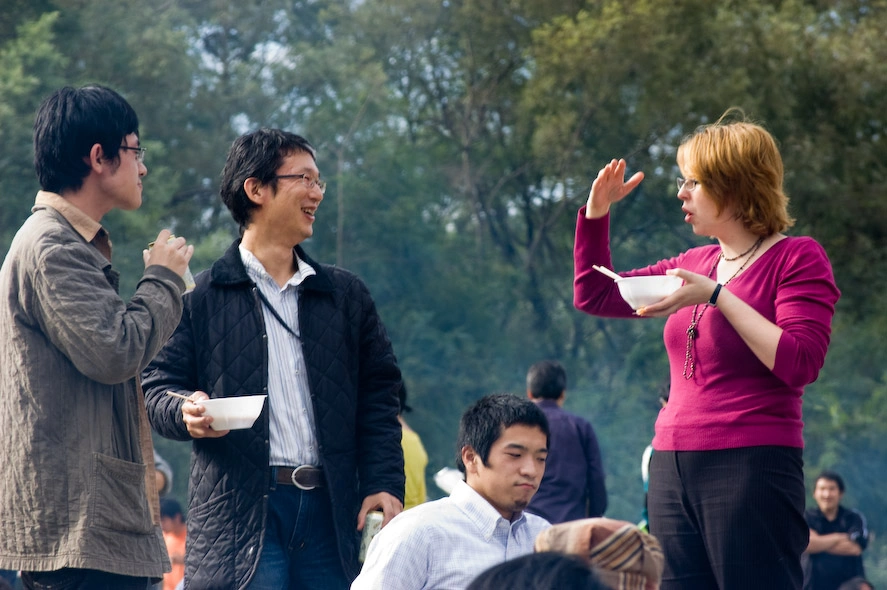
{"x": 689, "y": 183}
{"x": 307, "y": 181}
{"x": 140, "y": 155}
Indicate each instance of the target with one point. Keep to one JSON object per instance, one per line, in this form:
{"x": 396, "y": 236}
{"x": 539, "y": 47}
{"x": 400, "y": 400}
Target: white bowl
{"x": 233, "y": 413}
{"x": 642, "y": 291}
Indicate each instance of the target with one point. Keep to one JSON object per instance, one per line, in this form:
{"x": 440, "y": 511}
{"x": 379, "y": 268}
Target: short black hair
{"x": 831, "y": 476}
{"x": 258, "y": 155}
{"x": 483, "y": 423}
{"x": 68, "y": 123}
{"x": 170, "y": 508}
{"x": 539, "y": 571}
{"x": 546, "y": 380}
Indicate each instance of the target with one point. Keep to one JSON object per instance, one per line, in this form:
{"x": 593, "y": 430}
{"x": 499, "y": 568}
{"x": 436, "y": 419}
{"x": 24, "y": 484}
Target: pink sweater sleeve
{"x": 593, "y": 292}
{"x": 805, "y": 304}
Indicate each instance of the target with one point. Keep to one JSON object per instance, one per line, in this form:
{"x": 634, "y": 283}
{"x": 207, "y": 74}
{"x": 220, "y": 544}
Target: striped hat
{"x": 623, "y": 556}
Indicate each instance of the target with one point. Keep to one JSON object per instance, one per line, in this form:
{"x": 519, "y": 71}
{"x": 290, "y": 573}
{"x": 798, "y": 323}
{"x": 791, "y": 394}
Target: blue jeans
{"x": 300, "y": 548}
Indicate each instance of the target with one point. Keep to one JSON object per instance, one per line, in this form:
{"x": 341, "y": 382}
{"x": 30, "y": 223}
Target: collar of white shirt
{"x": 255, "y": 269}
{"x": 479, "y": 510}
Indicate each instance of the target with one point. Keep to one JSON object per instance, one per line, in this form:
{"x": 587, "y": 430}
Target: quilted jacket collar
{"x": 229, "y": 270}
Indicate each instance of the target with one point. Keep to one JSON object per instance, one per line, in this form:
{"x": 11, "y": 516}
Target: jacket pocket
{"x": 211, "y": 556}
{"x": 117, "y": 497}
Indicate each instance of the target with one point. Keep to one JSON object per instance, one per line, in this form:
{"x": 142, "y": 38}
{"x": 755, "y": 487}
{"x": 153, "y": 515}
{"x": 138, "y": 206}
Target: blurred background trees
{"x": 459, "y": 138}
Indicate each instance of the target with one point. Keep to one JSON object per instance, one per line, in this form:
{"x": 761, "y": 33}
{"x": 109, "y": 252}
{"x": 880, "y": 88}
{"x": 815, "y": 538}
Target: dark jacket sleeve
{"x": 173, "y": 369}
{"x": 380, "y": 455}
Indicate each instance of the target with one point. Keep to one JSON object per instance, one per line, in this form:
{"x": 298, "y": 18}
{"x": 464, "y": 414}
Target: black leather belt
{"x": 304, "y": 477}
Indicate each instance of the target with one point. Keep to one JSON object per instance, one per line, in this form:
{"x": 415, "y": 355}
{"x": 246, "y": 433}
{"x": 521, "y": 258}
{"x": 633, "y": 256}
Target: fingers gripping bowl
{"x": 642, "y": 291}
{"x": 233, "y": 413}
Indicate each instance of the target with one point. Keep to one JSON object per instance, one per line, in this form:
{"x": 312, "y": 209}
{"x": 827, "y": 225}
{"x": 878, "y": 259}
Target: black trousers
{"x": 730, "y": 519}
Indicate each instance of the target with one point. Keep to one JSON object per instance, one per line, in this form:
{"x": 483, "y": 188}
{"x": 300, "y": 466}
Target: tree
{"x": 30, "y": 67}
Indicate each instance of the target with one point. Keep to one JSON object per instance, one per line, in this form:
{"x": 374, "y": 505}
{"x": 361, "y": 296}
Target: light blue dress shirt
{"x": 445, "y": 544}
{"x": 293, "y": 438}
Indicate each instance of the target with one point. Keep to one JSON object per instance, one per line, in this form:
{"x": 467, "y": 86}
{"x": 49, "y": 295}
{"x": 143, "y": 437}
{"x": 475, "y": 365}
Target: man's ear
{"x": 96, "y": 157}
{"x": 255, "y": 190}
{"x": 470, "y": 458}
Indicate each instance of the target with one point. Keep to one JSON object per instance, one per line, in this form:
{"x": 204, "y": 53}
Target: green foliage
{"x": 30, "y": 65}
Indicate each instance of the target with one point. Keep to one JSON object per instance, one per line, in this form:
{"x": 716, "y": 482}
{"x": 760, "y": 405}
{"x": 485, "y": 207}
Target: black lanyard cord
{"x": 276, "y": 315}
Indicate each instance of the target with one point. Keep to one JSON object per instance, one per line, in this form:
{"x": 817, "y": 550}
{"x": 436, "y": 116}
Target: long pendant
{"x": 692, "y": 331}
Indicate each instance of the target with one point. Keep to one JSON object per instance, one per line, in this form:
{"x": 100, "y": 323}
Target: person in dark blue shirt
{"x": 573, "y": 485}
{"x": 838, "y": 537}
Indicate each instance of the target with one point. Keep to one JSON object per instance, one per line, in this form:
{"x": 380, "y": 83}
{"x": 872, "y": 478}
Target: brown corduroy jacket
{"x": 76, "y": 490}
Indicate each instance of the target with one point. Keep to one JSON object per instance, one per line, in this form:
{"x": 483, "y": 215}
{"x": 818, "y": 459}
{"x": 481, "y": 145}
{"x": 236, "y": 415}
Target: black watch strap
{"x": 714, "y": 296}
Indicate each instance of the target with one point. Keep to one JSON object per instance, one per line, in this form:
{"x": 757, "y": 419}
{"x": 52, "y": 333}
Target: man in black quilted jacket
{"x": 280, "y": 504}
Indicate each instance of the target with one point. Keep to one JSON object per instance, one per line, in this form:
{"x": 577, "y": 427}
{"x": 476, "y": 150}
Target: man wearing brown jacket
{"x": 77, "y": 500}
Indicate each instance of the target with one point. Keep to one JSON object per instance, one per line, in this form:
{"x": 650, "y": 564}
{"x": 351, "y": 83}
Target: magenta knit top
{"x": 733, "y": 400}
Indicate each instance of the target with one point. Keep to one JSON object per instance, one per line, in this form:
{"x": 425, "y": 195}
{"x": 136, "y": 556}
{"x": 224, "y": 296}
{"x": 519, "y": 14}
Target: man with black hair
{"x": 78, "y": 499}
{"x": 502, "y": 446}
{"x": 280, "y": 504}
{"x": 175, "y": 532}
{"x": 549, "y": 570}
{"x": 573, "y": 486}
{"x": 838, "y": 536}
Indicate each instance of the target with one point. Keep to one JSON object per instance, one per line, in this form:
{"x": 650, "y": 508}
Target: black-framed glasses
{"x": 140, "y": 151}
{"x": 307, "y": 180}
{"x": 688, "y": 183}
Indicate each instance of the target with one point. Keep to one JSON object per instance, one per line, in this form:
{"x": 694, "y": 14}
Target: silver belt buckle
{"x": 296, "y": 483}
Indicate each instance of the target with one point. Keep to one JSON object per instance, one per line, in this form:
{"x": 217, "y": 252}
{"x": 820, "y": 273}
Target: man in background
{"x": 415, "y": 458}
{"x": 502, "y": 445}
{"x": 573, "y": 486}
{"x": 163, "y": 472}
{"x": 172, "y": 521}
{"x": 838, "y": 536}
{"x": 77, "y": 499}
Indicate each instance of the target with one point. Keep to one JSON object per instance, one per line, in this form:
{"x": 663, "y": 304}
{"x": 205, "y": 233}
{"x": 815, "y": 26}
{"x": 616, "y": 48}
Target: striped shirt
{"x": 445, "y": 544}
{"x": 293, "y": 438}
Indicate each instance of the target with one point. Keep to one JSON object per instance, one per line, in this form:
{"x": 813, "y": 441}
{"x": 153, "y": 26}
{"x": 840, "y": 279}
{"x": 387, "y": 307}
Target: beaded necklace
{"x": 746, "y": 253}
{"x": 692, "y": 332}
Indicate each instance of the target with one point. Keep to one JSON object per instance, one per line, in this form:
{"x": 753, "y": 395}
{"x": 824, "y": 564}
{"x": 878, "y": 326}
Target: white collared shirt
{"x": 445, "y": 544}
{"x": 293, "y": 436}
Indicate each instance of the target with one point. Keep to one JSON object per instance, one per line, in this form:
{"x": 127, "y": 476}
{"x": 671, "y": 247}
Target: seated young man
{"x": 503, "y": 443}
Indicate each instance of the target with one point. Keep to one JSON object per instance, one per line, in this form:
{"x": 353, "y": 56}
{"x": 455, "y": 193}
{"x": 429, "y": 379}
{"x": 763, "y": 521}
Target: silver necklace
{"x": 692, "y": 330}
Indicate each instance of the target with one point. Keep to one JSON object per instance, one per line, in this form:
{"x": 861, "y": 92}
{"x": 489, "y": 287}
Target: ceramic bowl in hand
{"x": 233, "y": 413}
{"x": 643, "y": 291}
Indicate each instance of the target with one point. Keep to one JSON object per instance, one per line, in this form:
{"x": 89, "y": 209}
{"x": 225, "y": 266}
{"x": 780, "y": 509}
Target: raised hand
{"x": 610, "y": 187}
